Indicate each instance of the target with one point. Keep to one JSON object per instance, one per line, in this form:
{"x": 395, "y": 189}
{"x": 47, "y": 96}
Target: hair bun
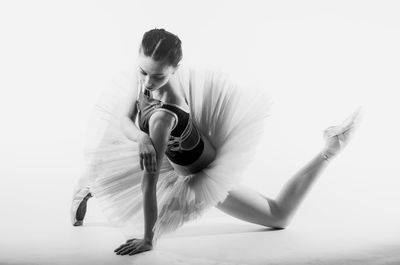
{"x": 160, "y": 44}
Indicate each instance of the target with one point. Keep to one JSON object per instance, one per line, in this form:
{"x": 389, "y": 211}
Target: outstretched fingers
{"x": 125, "y": 249}
{"x": 148, "y": 161}
{"x": 125, "y": 245}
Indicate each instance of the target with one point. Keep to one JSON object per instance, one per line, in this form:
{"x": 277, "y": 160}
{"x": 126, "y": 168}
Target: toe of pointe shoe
{"x": 78, "y": 223}
{"x": 352, "y": 121}
{"x": 349, "y": 124}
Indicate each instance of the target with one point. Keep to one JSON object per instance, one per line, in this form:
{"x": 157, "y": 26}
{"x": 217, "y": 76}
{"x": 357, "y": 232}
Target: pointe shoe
{"x": 337, "y": 137}
{"x": 78, "y": 206}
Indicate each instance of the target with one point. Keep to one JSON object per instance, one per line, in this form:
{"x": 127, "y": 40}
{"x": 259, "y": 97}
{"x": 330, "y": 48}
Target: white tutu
{"x": 231, "y": 117}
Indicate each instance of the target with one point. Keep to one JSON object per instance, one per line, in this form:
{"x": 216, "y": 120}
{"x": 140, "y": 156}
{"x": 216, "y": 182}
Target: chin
{"x": 151, "y": 88}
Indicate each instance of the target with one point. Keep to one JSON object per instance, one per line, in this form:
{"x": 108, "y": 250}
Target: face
{"x": 153, "y": 74}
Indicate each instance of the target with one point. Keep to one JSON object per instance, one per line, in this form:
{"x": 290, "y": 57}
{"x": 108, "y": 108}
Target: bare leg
{"x": 251, "y": 206}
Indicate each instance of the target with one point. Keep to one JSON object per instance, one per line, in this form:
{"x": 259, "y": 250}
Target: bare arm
{"x": 161, "y": 124}
{"x": 128, "y": 110}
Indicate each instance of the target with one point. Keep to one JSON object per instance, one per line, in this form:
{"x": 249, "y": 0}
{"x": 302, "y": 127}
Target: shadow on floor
{"x": 219, "y": 229}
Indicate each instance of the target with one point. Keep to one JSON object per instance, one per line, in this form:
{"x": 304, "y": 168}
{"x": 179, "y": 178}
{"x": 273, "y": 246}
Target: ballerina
{"x": 176, "y": 143}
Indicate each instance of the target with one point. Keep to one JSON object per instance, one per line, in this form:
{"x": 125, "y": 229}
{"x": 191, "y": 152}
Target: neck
{"x": 161, "y": 92}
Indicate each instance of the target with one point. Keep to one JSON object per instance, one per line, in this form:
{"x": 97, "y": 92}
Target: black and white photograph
{"x": 199, "y": 132}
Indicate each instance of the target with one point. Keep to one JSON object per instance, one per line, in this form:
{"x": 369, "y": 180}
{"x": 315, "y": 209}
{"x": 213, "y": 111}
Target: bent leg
{"x": 251, "y": 206}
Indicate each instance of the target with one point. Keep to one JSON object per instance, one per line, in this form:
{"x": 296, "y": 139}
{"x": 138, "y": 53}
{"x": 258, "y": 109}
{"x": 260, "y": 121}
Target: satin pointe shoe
{"x": 337, "y": 137}
{"x": 78, "y": 206}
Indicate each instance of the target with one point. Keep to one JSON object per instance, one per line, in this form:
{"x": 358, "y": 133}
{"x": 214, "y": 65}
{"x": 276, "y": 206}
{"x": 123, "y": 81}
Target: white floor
{"x": 50, "y": 239}
{"x": 35, "y": 229}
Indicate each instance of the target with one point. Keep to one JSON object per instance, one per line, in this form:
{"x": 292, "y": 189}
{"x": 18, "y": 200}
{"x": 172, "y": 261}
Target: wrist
{"x": 148, "y": 240}
{"x": 142, "y": 136}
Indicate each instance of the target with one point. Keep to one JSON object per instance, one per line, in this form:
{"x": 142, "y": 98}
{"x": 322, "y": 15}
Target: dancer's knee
{"x": 278, "y": 219}
{"x": 279, "y": 223}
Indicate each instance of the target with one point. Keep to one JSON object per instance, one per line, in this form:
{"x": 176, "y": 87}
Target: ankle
{"x": 327, "y": 155}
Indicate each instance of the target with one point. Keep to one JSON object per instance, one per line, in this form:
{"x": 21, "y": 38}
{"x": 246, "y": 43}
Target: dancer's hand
{"x": 337, "y": 137}
{"x": 134, "y": 246}
{"x": 147, "y": 153}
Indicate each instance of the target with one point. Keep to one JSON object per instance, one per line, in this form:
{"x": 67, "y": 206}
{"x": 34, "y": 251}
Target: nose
{"x": 147, "y": 81}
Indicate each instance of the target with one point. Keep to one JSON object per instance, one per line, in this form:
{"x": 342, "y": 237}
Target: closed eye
{"x": 158, "y": 77}
{"x": 154, "y": 77}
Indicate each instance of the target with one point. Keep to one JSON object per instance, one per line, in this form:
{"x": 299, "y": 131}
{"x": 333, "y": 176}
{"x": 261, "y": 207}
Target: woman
{"x": 175, "y": 142}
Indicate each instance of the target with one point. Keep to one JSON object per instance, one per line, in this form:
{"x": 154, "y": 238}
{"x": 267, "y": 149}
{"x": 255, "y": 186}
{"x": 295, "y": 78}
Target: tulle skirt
{"x": 230, "y": 116}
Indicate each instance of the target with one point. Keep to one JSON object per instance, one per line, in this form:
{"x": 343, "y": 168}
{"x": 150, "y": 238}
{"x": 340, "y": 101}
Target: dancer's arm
{"x": 160, "y": 126}
{"x": 132, "y": 132}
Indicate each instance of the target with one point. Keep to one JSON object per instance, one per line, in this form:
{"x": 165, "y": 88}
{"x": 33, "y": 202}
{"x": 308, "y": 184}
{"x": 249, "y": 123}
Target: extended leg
{"x": 251, "y": 206}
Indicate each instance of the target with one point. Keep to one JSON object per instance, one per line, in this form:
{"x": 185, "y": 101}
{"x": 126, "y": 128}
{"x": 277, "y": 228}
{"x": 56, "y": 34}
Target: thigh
{"x": 249, "y": 205}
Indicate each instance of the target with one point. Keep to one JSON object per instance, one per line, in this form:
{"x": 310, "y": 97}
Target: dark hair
{"x": 161, "y": 45}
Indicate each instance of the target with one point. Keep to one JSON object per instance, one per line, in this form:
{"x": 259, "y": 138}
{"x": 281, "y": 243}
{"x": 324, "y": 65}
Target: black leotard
{"x": 185, "y": 144}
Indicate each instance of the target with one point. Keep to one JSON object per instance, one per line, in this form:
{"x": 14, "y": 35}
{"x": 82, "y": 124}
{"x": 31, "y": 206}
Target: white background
{"x": 319, "y": 61}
